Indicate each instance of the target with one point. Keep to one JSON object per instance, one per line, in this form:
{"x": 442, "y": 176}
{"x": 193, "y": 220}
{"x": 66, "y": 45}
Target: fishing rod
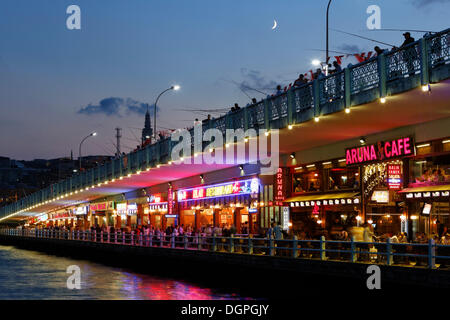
{"x": 322, "y": 50}
{"x": 355, "y": 35}
{"x": 245, "y": 86}
{"x": 410, "y": 30}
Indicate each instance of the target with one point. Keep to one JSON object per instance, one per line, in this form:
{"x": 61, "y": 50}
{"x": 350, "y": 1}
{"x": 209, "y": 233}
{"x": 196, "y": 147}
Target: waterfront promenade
{"x": 408, "y": 263}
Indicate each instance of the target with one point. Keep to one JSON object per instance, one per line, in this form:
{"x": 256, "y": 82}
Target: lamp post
{"x": 328, "y": 9}
{"x": 176, "y": 88}
{"x": 93, "y": 134}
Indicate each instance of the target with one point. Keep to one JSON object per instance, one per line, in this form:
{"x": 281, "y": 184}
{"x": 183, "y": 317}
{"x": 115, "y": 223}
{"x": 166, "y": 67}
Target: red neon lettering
{"x": 366, "y": 154}
{"x": 394, "y": 148}
{"x": 360, "y": 155}
{"x": 400, "y": 146}
{"x": 373, "y": 154}
{"x": 354, "y": 158}
{"x": 349, "y": 158}
{"x": 386, "y": 152}
{"x": 407, "y": 146}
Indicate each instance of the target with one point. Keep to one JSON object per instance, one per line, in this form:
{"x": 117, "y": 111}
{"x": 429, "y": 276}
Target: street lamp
{"x": 93, "y": 134}
{"x": 175, "y": 88}
{"x": 328, "y": 9}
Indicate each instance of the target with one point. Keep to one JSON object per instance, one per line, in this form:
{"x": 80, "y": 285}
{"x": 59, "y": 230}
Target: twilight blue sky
{"x": 132, "y": 50}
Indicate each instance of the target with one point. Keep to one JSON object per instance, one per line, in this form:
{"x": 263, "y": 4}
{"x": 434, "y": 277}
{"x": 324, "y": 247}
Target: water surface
{"x": 33, "y": 275}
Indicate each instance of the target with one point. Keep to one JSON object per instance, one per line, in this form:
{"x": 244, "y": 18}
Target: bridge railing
{"x": 425, "y": 255}
{"x": 420, "y": 63}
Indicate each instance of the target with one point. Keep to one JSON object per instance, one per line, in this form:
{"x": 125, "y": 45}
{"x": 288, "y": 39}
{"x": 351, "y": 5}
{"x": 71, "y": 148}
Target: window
{"x": 343, "y": 178}
{"x": 430, "y": 171}
{"x": 309, "y": 181}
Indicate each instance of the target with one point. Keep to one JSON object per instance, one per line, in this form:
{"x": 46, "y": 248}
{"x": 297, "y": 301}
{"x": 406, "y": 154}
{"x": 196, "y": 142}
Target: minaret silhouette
{"x": 147, "y": 132}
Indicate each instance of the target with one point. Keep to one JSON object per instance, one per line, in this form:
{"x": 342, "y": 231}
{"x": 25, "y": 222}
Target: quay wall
{"x": 206, "y": 264}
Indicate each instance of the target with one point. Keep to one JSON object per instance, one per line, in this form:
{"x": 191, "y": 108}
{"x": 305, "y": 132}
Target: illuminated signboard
{"x": 285, "y": 220}
{"x": 394, "y": 176}
{"x": 81, "y": 210}
{"x": 155, "y": 198}
{"x": 279, "y": 185}
{"x": 383, "y": 150}
{"x": 170, "y": 201}
{"x": 132, "y": 209}
{"x": 100, "y": 206}
{"x": 121, "y": 208}
{"x": 380, "y": 196}
{"x": 220, "y": 190}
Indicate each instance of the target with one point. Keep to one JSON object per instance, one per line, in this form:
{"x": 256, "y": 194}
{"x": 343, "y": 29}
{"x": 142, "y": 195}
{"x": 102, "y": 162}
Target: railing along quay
{"x": 420, "y": 63}
{"x": 419, "y": 255}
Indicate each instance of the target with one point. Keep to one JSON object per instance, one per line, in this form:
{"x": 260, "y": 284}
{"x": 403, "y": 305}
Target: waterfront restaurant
{"x": 324, "y": 194}
{"x": 156, "y": 210}
{"x": 228, "y": 203}
{"x": 101, "y": 213}
{"x": 427, "y": 195}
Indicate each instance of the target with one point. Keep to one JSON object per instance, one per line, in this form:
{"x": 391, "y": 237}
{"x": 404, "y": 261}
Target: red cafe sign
{"x": 103, "y": 206}
{"x": 394, "y": 176}
{"x": 382, "y": 150}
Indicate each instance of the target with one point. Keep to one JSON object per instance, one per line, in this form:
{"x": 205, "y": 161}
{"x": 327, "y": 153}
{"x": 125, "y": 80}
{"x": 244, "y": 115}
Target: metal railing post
{"x": 101, "y": 236}
{"x": 151, "y": 238}
{"x": 388, "y": 252}
{"x": 232, "y": 243}
{"x": 214, "y": 245}
{"x": 115, "y": 236}
{"x": 123, "y": 237}
{"x": 294, "y": 247}
{"x": 431, "y": 254}
{"x": 172, "y": 240}
{"x": 352, "y": 250}
{"x": 424, "y": 63}
{"x": 250, "y": 245}
{"x": 140, "y": 239}
{"x": 199, "y": 241}
{"x": 161, "y": 239}
{"x": 132, "y": 238}
{"x": 271, "y": 247}
{"x": 323, "y": 255}
{"x": 185, "y": 242}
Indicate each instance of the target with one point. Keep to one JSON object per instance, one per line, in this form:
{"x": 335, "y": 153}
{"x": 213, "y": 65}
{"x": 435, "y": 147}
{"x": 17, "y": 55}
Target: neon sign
{"x": 220, "y": 190}
{"x": 380, "y": 151}
{"x": 155, "y": 198}
{"x": 279, "y": 186}
{"x": 394, "y": 176}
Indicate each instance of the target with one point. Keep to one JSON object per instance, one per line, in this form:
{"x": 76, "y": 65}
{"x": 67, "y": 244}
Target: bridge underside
{"x": 409, "y": 108}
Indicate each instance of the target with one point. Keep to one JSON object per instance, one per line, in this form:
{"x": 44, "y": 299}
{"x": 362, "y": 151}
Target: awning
{"x": 324, "y": 199}
{"x": 427, "y": 191}
{"x": 444, "y": 187}
{"x": 322, "y": 196}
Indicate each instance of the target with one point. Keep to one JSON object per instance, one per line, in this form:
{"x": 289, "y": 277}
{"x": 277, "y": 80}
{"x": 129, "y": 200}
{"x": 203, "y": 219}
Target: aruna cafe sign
{"x": 380, "y": 151}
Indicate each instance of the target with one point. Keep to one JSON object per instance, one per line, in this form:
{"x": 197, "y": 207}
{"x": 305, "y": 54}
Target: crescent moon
{"x": 275, "y": 24}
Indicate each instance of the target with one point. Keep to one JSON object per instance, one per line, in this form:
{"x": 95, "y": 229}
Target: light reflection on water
{"x": 32, "y": 275}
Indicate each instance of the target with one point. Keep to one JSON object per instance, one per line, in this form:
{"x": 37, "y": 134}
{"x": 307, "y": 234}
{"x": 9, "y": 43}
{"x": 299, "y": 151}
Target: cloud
{"x": 118, "y": 107}
{"x": 424, "y": 3}
{"x": 254, "y": 79}
{"x": 350, "y": 48}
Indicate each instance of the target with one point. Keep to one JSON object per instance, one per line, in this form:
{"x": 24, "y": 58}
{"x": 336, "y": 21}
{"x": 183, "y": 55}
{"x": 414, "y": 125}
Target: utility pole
{"x": 118, "y": 136}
